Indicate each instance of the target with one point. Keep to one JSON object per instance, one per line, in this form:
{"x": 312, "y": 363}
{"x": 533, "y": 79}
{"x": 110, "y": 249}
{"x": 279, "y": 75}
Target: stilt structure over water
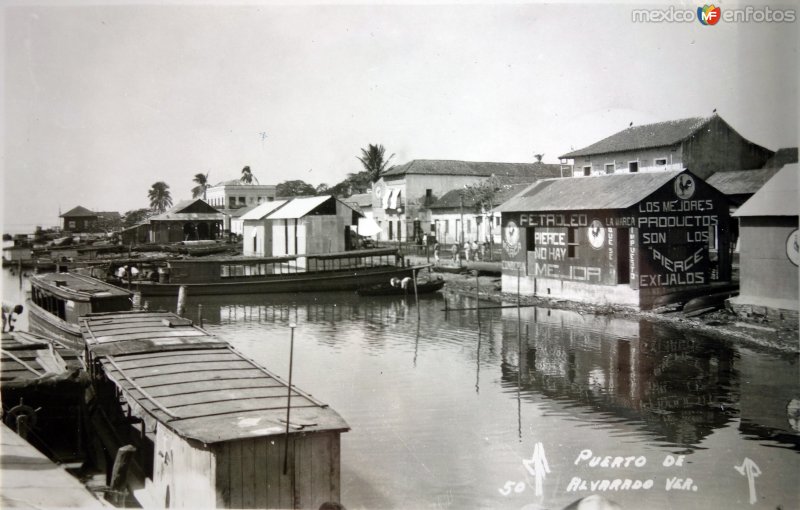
{"x": 209, "y": 425}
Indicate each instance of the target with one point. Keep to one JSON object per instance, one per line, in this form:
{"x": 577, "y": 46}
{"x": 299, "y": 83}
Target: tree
{"x": 247, "y": 175}
{"x": 373, "y": 160}
{"x": 296, "y": 188}
{"x": 483, "y": 194}
{"x": 160, "y": 198}
{"x": 136, "y": 216}
{"x": 322, "y": 189}
{"x": 202, "y": 185}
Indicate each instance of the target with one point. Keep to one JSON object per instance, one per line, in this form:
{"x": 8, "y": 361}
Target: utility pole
{"x": 462, "y": 217}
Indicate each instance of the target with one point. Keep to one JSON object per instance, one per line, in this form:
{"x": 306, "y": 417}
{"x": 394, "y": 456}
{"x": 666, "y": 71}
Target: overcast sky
{"x": 102, "y": 101}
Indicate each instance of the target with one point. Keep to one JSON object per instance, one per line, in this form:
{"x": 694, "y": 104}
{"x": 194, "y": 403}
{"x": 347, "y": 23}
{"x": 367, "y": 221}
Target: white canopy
{"x": 367, "y": 227}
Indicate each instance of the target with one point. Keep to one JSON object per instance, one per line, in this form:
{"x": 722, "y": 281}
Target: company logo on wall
{"x": 597, "y": 234}
{"x": 511, "y": 239}
{"x": 793, "y": 248}
{"x": 684, "y": 186}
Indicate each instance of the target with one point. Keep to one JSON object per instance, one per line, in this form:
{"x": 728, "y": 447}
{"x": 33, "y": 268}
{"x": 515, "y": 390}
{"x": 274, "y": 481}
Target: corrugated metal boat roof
{"x": 83, "y": 286}
{"x": 195, "y": 384}
{"x": 618, "y": 191}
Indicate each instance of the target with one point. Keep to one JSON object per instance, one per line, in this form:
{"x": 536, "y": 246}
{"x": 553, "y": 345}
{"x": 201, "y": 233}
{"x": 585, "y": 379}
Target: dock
{"x": 28, "y": 479}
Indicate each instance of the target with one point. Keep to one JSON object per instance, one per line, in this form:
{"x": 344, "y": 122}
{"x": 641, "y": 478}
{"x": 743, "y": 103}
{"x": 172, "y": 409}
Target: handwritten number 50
{"x": 511, "y": 486}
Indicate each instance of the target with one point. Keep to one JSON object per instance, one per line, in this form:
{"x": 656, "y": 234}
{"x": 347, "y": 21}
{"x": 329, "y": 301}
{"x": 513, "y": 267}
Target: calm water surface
{"x": 519, "y": 411}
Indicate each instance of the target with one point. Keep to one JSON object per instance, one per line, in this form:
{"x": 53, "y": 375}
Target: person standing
{"x": 466, "y": 251}
{"x": 436, "y": 253}
{"x": 474, "y": 248}
{"x": 454, "y": 251}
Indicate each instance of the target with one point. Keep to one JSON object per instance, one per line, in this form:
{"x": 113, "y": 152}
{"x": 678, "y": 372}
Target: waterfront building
{"x": 769, "y": 248}
{"x": 190, "y": 220}
{"x": 403, "y": 195}
{"x": 627, "y": 239}
{"x": 454, "y": 210}
{"x": 300, "y": 226}
{"x": 702, "y": 144}
{"x": 80, "y": 219}
{"x": 235, "y": 193}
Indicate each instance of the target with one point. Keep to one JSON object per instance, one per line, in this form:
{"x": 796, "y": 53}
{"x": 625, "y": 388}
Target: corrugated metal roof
{"x": 659, "y": 134}
{"x": 195, "y": 384}
{"x": 298, "y": 207}
{"x": 83, "y": 287}
{"x": 476, "y": 168}
{"x": 778, "y": 197}
{"x": 261, "y": 211}
{"x": 618, "y": 191}
{"x": 741, "y": 181}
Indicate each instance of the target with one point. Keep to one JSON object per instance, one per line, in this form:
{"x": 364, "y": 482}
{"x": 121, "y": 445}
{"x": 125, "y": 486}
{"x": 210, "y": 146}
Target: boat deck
{"x": 28, "y": 479}
{"x": 78, "y": 284}
{"x": 195, "y": 384}
{"x": 27, "y": 357}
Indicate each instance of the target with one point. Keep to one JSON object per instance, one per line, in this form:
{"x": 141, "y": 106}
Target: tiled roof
{"x": 452, "y": 199}
{"x": 741, "y": 181}
{"x": 782, "y": 157}
{"x": 660, "y": 134}
{"x": 778, "y": 197}
{"x": 360, "y": 199}
{"x": 481, "y": 169}
{"x": 79, "y": 212}
{"x": 618, "y": 191}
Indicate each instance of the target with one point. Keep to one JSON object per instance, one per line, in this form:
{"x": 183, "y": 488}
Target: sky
{"x": 101, "y": 100}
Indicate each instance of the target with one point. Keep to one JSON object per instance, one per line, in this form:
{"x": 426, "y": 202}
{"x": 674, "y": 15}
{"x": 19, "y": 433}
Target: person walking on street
{"x": 436, "y": 253}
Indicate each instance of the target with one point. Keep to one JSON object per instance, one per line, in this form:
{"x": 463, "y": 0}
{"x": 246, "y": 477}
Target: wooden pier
{"x": 28, "y": 479}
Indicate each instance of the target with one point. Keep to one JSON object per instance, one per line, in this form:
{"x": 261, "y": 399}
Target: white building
{"x": 235, "y": 193}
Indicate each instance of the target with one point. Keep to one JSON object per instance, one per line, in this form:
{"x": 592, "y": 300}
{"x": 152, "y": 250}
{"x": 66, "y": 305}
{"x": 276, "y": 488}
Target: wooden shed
{"x": 216, "y": 420}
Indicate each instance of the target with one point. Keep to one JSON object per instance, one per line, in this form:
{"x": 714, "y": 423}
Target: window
{"x": 587, "y": 171}
{"x": 428, "y": 196}
{"x": 242, "y": 201}
{"x": 572, "y": 242}
{"x": 609, "y": 168}
{"x": 633, "y": 166}
{"x": 497, "y": 221}
{"x": 661, "y": 162}
{"x": 72, "y": 224}
{"x": 469, "y": 226}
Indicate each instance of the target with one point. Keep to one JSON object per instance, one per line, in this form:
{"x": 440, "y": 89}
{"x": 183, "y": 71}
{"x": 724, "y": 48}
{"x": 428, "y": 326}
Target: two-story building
{"x": 703, "y": 145}
{"x": 403, "y": 195}
{"x": 234, "y": 194}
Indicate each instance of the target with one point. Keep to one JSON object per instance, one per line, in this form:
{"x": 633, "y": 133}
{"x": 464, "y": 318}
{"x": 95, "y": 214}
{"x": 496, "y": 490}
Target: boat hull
{"x": 386, "y": 290}
{"x": 46, "y": 324}
{"x": 302, "y": 282}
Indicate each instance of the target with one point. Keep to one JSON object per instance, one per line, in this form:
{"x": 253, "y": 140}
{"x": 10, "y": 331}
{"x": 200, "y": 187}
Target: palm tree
{"x": 372, "y": 159}
{"x": 202, "y": 185}
{"x": 160, "y": 199}
{"x": 247, "y": 175}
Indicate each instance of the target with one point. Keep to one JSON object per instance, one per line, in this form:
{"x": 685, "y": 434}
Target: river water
{"x": 528, "y": 408}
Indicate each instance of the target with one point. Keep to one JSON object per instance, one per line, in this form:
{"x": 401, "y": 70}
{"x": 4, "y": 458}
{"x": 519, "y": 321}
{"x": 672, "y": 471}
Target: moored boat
{"x": 423, "y": 287}
{"x": 348, "y": 270}
{"x": 59, "y": 299}
{"x": 210, "y": 427}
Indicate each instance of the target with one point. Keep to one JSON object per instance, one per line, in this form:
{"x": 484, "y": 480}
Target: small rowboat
{"x": 388, "y": 290}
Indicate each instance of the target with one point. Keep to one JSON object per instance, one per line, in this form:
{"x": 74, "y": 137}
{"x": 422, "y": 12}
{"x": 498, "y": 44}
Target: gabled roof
{"x": 195, "y": 209}
{"x": 261, "y": 211}
{"x": 741, "y": 181}
{"x": 660, "y": 134}
{"x": 79, "y": 212}
{"x": 360, "y": 199}
{"x": 618, "y": 191}
{"x": 452, "y": 199}
{"x": 109, "y": 215}
{"x": 778, "y": 197}
{"x": 782, "y": 157}
{"x": 475, "y": 168}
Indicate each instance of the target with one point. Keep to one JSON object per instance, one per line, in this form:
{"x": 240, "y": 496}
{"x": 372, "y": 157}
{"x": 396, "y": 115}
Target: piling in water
{"x": 181, "y": 300}
{"x": 288, "y": 402}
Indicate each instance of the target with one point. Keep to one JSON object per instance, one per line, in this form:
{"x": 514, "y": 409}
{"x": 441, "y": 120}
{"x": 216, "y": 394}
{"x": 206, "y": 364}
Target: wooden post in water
{"x": 119, "y": 473}
{"x": 19, "y": 268}
{"x": 200, "y": 314}
{"x": 288, "y": 401}
{"x": 477, "y": 298}
{"x": 181, "y": 300}
{"x": 416, "y": 296}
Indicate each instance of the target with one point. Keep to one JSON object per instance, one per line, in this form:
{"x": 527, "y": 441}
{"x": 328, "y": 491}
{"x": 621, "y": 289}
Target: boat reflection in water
{"x": 444, "y": 409}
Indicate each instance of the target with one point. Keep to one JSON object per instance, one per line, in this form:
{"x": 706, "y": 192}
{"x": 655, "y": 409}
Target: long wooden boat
{"x": 59, "y": 299}
{"x": 44, "y": 382}
{"x": 250, "y": 275}
{"x": 389, "y": 290}
{"x": 208, "y": 424}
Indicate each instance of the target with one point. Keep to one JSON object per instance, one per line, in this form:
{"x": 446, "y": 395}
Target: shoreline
{"x": 780, "y": 336}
